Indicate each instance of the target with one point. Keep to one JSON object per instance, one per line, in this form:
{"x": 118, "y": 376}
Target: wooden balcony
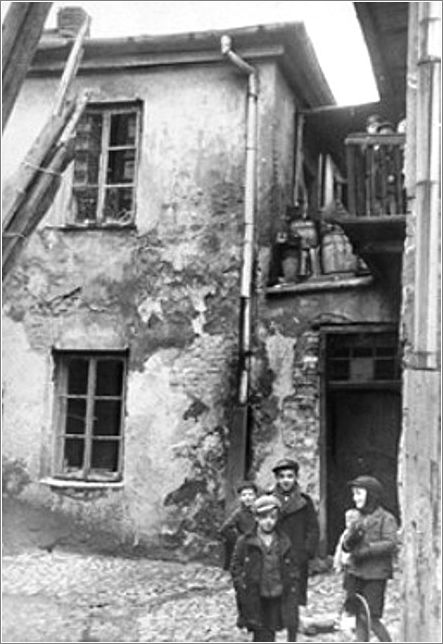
{"x": 375, "y": 220}
{"x": 375, "y": 174}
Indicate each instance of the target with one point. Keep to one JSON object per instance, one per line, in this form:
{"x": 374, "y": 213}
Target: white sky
{"x": 332, "y": 27}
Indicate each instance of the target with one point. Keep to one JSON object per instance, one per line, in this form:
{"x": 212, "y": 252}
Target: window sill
{"x": 94, "y": 226}
{"x": 321, "y": 283}
{"x": 81, "y": 485}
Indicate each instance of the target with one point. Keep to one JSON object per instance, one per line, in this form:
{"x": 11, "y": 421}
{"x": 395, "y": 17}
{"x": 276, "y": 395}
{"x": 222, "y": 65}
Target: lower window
{"x": 89, "y": 415}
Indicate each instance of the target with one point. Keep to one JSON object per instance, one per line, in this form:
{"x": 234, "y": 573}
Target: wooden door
{"x": 363, "y": 429}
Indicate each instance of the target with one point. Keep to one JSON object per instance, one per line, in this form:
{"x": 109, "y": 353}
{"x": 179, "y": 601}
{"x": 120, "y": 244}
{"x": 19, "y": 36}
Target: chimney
{"x": 69, "y": 21}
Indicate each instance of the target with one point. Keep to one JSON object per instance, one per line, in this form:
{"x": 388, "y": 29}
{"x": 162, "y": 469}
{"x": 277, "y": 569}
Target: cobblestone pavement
{"x": 69, "y": 597}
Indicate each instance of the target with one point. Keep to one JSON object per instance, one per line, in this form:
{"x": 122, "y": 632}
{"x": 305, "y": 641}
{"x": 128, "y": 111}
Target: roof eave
{"x": 288, "y": 43}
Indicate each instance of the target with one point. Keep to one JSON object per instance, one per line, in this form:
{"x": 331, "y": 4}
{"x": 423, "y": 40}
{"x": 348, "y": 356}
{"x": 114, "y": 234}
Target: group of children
{"x": 270, "y": 538}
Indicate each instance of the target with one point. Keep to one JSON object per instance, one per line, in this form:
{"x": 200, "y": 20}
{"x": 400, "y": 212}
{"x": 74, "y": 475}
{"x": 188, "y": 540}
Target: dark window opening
{"x": 90, "y": 415}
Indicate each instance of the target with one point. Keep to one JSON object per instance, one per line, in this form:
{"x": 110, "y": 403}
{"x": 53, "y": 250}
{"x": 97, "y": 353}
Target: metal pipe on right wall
{"x": 427, "y": 188}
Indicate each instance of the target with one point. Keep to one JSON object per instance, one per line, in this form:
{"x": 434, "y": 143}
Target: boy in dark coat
{"x": 370, "y": 564}
{"x": 241, "y": 520}
{"x": 265, "y": 575}
{"x": 298, "y": 518}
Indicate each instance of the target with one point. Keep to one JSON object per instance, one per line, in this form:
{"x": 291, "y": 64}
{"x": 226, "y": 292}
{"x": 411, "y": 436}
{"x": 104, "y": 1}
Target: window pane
{"x": 78, "y": 376}
{"x": 362, "y": 352}
{"x": 107, "y": 418}
{"x": 73, "y": 455}
{"x": 85, "y": 200}
{"x": 75, "y": 416}
{"x": 105, "y": 455}
{"x": 339, "y": 370}
{"x": 386, "y": 351}
{"x": 340, "y": 352}
{"x": 118, "y": 205}
{"x": 123, "y": 129}
{"x": 385, "y": 369}
{"x": 362, "y": 369}
{"x": 109, "y": 378}
{"x": 121, "y": 165}
{"x": 86, "y": 169}
{"x": 88, "y": 148}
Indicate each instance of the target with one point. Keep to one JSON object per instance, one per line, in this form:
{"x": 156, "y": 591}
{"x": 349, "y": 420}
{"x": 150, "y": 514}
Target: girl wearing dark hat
{"x": 370, "y": 564}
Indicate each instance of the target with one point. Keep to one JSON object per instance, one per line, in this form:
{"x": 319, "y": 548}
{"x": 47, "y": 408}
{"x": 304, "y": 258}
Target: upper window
{"x": 106, "y": 154}
{"x": 90, "y": 412}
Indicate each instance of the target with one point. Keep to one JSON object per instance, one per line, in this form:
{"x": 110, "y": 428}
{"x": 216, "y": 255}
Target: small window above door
{"x": 362, "y": 358}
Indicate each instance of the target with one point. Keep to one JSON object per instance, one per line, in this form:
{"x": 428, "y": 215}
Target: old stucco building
{"x": 121, "y": 316}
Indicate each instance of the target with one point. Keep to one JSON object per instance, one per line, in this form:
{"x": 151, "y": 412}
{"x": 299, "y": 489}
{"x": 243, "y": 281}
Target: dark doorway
{"x": 363, "y": 419}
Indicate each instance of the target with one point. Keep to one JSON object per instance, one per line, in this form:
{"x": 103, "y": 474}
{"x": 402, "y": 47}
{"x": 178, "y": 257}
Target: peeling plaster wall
{"x": 167, "y": 290}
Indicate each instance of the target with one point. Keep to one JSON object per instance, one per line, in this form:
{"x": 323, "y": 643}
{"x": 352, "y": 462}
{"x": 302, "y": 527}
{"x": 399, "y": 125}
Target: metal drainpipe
{"x": 249, "y": 215}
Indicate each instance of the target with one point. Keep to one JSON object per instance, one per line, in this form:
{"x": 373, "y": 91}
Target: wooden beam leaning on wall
{"x": 21, "y": 222}
{"x": 21, "y": 31}
{"x": 27, "y": 197}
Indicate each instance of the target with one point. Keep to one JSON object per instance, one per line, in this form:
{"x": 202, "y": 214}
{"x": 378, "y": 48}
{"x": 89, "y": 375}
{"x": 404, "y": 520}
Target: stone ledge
{"x": 325, "y": 283}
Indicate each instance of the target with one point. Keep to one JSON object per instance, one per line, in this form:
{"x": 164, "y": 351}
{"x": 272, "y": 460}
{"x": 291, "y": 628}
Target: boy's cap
{"x": 369, "y": 483}
{"x": 247, "y": 485}
{"x": 285, "y": 464}
{"x": 265, "y": 503}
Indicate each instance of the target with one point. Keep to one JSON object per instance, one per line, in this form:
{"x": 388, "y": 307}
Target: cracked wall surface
{"x": 167, "y": 290}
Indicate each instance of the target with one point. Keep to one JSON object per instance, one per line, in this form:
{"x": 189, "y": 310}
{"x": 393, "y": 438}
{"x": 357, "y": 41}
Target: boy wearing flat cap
{"x": 298, "y": 518}
{"x": 241, "y": 520}
{"x": 265, "y": 576}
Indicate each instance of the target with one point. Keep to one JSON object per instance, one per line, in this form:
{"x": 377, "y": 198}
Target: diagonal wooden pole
{"x": 21, "y": 32}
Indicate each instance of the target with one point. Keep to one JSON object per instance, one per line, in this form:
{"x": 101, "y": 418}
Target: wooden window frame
{"x": 86, "y": 474}
{"x": 107, "y": 110}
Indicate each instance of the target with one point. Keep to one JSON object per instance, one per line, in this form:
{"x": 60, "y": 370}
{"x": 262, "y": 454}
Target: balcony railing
{"x": 375, "y": 174}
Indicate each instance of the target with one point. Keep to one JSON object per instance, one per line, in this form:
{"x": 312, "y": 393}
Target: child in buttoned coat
{"x": 265, "y": 575}
{"x": 298, "y": 518}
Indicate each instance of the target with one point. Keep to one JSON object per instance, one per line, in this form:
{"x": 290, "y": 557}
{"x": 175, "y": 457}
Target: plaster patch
{"x": 23, "y": 407}
{"x": 155, "y": 410}
{"x": 148, "y": 307}
{"x": 280, "y": 351}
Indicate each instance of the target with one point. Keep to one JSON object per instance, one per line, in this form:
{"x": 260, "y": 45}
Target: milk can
{"x": 336, "y": 252}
